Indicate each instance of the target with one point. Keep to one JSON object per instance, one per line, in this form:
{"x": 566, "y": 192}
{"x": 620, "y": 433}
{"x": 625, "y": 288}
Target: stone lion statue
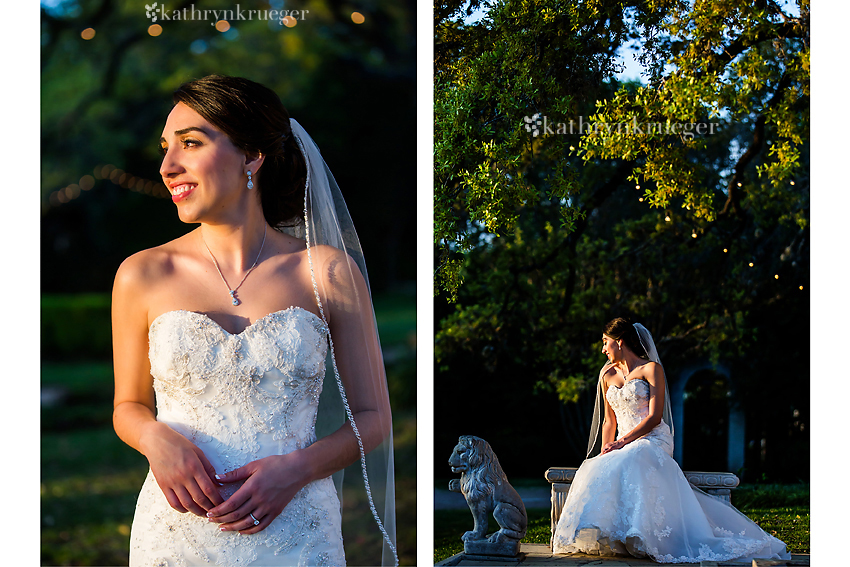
{"x": 487, "y": 490}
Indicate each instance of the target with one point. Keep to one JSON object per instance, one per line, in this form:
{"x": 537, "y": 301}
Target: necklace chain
{"x": 233, "y": 299}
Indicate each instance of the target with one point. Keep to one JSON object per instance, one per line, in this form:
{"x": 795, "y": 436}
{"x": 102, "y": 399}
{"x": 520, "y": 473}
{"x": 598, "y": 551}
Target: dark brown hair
{"x": 620, "y": 328}
{"x": 255, "y": 120}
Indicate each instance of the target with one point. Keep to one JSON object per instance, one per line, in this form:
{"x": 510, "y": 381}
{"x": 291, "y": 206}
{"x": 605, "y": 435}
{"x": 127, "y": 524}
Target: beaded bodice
{"x": 239, "y": 397}
{"x": 631, "y": 405}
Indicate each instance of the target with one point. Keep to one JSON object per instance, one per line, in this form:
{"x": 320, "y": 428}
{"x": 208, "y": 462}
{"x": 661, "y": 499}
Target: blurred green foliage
{"x": 76, "y": 327}
{"x": 104, "y": 102}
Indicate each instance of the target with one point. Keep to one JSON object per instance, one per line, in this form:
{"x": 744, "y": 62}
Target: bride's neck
{"x": 628, "y": 363}
{"x": 233, "y": 245}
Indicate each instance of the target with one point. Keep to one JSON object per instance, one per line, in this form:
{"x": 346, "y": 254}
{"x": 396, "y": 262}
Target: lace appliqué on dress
{"x": 239, "y": 397}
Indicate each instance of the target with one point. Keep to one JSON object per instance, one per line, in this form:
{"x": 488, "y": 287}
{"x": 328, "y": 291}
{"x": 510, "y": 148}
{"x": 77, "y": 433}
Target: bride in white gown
{"x": 219, "y": 385}
{"x": 630, "y": 496}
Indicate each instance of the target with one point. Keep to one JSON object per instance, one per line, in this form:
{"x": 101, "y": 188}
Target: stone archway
{"x": 735, "y": 444}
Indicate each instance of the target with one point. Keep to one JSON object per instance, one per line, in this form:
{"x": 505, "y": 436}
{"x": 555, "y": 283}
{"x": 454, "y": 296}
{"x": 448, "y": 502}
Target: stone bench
{"x": 717, "y": 484}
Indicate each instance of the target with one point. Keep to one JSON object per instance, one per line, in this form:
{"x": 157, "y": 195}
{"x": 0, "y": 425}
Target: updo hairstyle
{"x": 255, "y": 120}
{"x": 621, "y": 329}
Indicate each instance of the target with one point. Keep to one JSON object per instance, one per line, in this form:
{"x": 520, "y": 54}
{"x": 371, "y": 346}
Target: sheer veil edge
{"x": 355, "y": 379}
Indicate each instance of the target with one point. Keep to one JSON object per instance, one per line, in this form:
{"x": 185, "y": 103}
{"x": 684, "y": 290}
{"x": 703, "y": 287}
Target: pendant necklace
{"x": 233, "y": 299}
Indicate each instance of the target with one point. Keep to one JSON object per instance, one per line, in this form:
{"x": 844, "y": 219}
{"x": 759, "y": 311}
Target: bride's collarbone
{"x": 620, "y": 381}
{"x": 636, "y": 373}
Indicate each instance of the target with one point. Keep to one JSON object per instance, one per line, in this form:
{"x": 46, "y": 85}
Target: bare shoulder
{"x": 139, "y": 274}
{"x": 333, "y": 267}
{"x": 607, "y": 373}
{"x": 653, "y": 372}
{"x": 325, "y": 254}
{"x": 146, "y": 266}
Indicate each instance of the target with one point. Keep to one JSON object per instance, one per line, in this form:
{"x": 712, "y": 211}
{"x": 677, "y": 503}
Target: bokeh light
{"x": 111, "y": 173}
{"x": 154, "y": 30}
{"x": 357, "y": 17}
{"x": 222, "y": 25}
{"x": 87, "y": 33}
{"x": 289, "y": 21}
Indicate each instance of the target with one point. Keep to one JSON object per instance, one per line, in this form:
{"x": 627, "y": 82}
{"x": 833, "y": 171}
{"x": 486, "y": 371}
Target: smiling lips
{"x": 180, "y": 192}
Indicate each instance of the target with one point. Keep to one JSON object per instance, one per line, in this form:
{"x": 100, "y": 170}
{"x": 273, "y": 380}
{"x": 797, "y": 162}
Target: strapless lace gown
{"x": 239, "y": 398}
{"x": 636, "y": 501}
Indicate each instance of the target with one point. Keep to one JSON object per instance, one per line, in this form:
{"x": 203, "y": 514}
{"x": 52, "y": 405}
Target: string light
{"x": 725, "y": 250}
{"x": 792, "y": 182}
{"x": 640, "y": 199}
{"x": 289, "y": 21}
{"x": 87, "y": 33}
{"x": 776, "y": 276}
{"x": 751, "y": 264}
{"x": 357, "y": 17}
{"x": 694, "y": 234}
{"x": 667, "y": 218}
{"x": 801, "y": 288}
{"x": 154, "y": 30}
{"x": 222, "y": 25}
{"x": 116, "y": 175}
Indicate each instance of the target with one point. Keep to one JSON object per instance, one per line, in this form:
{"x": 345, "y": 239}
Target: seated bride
{"x": 629, "y": 496}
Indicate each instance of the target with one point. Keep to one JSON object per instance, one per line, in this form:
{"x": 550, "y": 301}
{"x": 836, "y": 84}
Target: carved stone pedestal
{"x": 485, "y": 548}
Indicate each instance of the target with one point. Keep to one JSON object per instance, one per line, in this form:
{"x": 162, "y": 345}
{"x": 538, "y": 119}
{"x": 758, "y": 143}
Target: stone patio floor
{"x": 539, "y": 554}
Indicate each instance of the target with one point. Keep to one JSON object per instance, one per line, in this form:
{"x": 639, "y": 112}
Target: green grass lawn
{"x": 449, "y": 525}
{"x": 780, "y": 510}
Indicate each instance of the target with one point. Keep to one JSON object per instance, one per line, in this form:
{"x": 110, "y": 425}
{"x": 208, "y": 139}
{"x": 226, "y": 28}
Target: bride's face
{"x": 204, "y": 172}
{"x": 610, "y": 348}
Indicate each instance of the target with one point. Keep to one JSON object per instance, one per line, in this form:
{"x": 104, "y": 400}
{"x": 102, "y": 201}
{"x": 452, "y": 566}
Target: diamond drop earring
{"x": 250, "y": 182}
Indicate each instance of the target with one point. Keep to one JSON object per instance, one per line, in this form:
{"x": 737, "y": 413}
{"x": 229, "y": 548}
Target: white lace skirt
{"x": 637, "y": 501}
{"x": 306, "y": 533}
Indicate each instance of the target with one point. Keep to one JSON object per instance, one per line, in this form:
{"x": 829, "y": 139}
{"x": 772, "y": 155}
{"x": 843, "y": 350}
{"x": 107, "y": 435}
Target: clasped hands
{"x": 269, "y": 486}
{"x": 613, "y": 445}
{"x": 190, "y": 484}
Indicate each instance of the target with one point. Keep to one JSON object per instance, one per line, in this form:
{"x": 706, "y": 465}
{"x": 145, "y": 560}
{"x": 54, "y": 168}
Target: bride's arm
{"x": 273, "y": 481}
{"x": 357, "y": 350}
{"x": 655, "y": 377}
{"x": 180, "y": 468}
{"x": 609, "y": 426}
